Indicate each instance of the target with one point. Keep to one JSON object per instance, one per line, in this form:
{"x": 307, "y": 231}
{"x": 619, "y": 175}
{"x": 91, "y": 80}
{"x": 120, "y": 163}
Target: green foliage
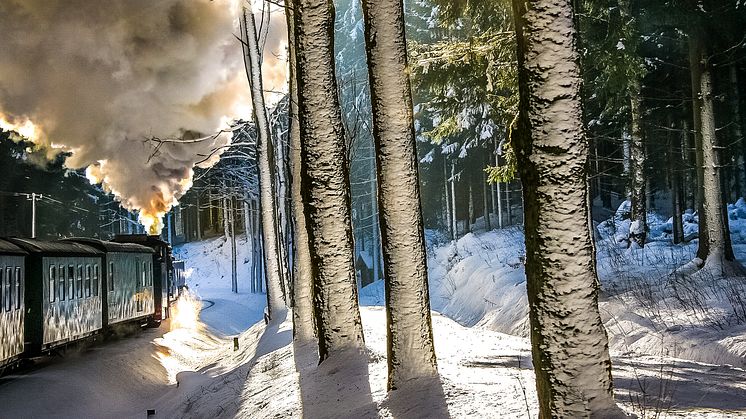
{"x": 464, "y": 75}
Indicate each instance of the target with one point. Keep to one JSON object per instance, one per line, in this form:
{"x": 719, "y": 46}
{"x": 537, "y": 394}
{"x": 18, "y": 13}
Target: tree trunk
{"x": 275, "y": 299}
{"x": 375, "y": 227}
{"x": 411, "y": 353}
{"x": 508, "y": 209}
{"x": 674, "y": 173}
{"x": 695, "y": 54}
{"x": 486, "y": 201}
{"x": 471, "y": 205}
{"x": 198, "y": 222}
{"x": 569, "y": 343}
{"x": 234, "y": 255}
{"x": 719, "y": 249}
{"x": 302, "y": 266}
{"x": 324, "y": 181}
{"x": 638, "y": 186}
{"x": 448, "y": 199}
{"x": 454, "y": 218}
{"x": 498, "y": 188}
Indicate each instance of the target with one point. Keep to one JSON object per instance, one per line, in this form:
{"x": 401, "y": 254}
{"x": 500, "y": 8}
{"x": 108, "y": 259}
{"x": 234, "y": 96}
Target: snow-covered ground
{"x": 675, "y": 353}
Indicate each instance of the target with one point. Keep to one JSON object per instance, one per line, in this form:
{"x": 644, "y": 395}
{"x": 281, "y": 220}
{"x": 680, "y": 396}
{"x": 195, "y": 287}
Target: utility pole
{"x": 33, "y": 198}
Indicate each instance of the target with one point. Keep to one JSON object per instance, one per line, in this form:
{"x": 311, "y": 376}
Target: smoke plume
{"x": 98, "y": 79}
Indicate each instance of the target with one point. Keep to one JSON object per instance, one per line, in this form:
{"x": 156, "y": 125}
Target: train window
{"x": 61, "y": 286}
{"x": 144, "y": 274}
{"x": 79, "y": 282}
{"x": 8, "y": 294}
{"x": 52, "y": 283}
{"x": 18, "y": 288}
{"x": 150, "y": 274}
{"x": 137, "y": 273}
{"x": 70, "y": 282}
{"x": 87, "y": 280}
{"x": 95, "y": 279}
{"x": 2, "y": 286}
{"x": 111, "y": 276}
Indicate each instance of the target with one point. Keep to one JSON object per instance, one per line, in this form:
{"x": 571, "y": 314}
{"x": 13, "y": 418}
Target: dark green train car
{"x": 12, "y": 284}
{"x": 128, "y": 273}
{"x": 63, "y": 293}
{"x": 162, "y": 271}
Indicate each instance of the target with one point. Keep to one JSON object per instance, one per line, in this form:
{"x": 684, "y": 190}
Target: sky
{"x": 99, "y": 79}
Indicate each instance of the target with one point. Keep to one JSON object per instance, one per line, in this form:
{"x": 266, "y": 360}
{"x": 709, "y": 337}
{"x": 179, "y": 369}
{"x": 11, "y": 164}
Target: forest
{"x": 568, "y": 173}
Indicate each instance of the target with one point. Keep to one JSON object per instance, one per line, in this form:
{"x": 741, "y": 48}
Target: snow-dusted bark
{"x": 302, "y": 266}
{"x": 275, "y": 299}
{"x": 717, "y": 241}
{"x": 637, "y": 175}
{"x": 324, "y": 180}
{"x": 411, "y": 353}
{"x": 569, "y": 343}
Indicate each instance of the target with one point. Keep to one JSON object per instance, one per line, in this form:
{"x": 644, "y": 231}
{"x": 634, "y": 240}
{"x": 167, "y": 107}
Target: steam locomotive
{"x": 53, "y": 293}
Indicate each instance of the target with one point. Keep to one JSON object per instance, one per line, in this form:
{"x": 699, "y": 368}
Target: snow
{"x": 208, "y": 267}
{"x": 667, "y": 359}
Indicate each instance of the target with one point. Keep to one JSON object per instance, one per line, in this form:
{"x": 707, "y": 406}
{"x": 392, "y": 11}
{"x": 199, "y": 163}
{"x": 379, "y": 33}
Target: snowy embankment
{"x": 191, "y": 369}
{"x": 209, "y": 275}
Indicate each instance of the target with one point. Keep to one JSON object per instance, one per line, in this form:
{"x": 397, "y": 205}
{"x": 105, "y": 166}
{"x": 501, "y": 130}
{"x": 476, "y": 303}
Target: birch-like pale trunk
{"x": 325, "y": 183}
{"x": 411, "y": 353}
{"x": 569, "y": 343}
{"x": 637, "y": 182}
{"x": 303, "y": 324}
{"x": 275, "y": 299}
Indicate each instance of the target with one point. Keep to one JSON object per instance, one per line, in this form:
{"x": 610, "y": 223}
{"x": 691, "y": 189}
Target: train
{"x": 57, "y": 292}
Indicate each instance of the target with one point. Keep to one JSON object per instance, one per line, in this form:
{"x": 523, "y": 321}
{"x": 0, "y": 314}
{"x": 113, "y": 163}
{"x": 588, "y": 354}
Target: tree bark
{"x": 471, "y": 205}
{"x": 303, "y": 325}
{"x": 275, "y": 299}
{"x": 718, "y": 245}
{"x": 569, "y": 343}
{"x": 638, "y": 189}
{"x": 324, "y": 181}
{"x": 454, "y": 218}
{"x": 486, "y": 201}
{"x": 674, "y": 173}
{"x": 695, "y": 54}
{"x": 448, "y": 199}
{"x": 411, "y": 353}
{"x": 234, "y": 255}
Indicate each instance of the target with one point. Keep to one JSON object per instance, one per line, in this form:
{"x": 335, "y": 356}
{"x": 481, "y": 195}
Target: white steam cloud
{"x": 100, "y": 78}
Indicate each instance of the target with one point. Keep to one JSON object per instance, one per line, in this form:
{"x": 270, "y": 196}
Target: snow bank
{"x": 479, "y": 280}
{"x": 209, "y": 277}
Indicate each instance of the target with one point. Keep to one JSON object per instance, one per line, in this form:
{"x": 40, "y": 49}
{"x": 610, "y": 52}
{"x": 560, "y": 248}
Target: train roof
{"x": 110, "y": 247}
{"x": 8, "y": 248}
{"x": 54, "y": 247}
{"x": 143, "y": 239}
